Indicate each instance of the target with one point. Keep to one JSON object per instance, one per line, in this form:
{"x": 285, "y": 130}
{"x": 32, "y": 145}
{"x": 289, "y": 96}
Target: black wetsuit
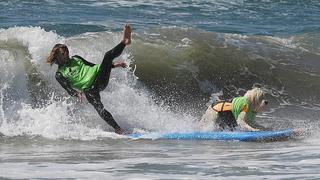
{"x": 102, "y": 79}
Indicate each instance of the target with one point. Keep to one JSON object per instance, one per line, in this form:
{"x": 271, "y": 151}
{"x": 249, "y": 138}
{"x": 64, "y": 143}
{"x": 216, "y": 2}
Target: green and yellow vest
{"x": 79, "y": 75}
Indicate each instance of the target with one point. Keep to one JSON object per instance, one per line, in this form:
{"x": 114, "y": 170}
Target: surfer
{"x": 239, "y": 112}
{"x": 78, "y": 76}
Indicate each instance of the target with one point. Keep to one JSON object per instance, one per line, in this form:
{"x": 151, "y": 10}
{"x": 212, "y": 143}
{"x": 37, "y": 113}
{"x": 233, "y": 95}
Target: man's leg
{"x": 94, "y": 98}
{"x": 103, "y": 75}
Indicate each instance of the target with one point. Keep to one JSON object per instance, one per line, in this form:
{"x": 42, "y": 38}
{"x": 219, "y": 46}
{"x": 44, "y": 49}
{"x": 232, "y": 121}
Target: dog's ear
{"x": 256, "y": 85}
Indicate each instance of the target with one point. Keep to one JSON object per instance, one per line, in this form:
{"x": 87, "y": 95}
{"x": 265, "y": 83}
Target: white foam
{"x": 38, "y": 41}
{"x": 282, "y": 42}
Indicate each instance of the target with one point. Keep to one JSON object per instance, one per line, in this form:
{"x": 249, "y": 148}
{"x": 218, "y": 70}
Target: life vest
{"x": 222, "y": 106}
{"x": 236, "y": 106}
{"x": 79, "y": 75}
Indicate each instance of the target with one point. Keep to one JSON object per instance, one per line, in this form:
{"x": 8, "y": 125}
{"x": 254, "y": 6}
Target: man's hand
{"x": 120, "y": 64}
{"x": 80, "y": 96}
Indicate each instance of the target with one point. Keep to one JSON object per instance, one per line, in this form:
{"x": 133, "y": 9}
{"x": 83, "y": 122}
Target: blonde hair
{"x": 254, "y": 94}
{"x": 58, "y": 49}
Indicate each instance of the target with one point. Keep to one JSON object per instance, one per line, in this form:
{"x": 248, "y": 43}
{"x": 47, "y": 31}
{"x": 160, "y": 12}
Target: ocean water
{"x": 184, "y": 55}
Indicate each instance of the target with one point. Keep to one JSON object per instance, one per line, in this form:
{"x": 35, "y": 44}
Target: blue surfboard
{"x": 220, "y": 135}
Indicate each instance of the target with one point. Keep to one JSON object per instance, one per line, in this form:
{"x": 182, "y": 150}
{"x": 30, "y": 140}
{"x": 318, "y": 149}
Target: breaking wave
{"x": 174, "y": 73}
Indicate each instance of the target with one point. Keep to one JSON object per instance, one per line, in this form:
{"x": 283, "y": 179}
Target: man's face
{"x": 63, "y": 56}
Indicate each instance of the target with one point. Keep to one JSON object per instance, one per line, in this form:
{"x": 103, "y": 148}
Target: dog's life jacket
{"x": 236, "y": 106}
{"x": 222, "y": 106}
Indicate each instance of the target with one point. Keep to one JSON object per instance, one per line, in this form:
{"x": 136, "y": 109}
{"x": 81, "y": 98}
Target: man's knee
{"x": 108, "y": 58}
{"x": 95, "y": 102}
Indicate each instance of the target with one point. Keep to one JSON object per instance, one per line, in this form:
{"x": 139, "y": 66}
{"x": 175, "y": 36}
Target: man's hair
{"x": 56, "y": 50}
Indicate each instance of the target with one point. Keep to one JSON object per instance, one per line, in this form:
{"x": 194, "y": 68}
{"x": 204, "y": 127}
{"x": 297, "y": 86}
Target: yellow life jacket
{"x": 225, "y": 106}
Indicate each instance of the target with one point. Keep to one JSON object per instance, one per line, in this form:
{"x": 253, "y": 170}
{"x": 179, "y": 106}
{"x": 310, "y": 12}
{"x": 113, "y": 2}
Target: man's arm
{"x": 242, "y": 123}
{"x": 64, "y": 83}
{"x": 90, "y": 63}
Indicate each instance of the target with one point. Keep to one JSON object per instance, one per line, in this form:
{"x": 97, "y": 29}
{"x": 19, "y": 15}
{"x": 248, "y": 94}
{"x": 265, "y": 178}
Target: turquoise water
{"x": 266, "y": 17}
{"x": 184, "y": 54}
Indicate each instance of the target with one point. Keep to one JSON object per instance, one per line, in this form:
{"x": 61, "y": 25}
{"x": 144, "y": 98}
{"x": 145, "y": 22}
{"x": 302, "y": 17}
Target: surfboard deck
{"x": 220, "y": 135}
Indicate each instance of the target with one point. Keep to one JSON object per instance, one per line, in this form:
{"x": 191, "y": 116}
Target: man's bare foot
{"x": 118, "y": 131}
{"x": 126, "y": 34}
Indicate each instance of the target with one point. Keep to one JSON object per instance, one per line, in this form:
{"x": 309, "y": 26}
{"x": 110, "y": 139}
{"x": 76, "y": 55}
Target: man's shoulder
{"x": 77, "y": 57}
{"x": 58, "y": 74}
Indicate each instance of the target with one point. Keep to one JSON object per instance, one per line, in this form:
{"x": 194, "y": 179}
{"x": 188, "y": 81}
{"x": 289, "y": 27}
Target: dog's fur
{"x": 254, "y": 99}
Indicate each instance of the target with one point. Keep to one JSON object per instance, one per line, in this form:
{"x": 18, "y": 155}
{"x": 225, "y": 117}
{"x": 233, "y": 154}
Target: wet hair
{"x": 255, "y": 94}
{"x": 58, "y": 51}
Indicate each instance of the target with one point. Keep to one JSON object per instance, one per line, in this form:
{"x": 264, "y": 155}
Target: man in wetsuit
{"x": 78, "y": 76}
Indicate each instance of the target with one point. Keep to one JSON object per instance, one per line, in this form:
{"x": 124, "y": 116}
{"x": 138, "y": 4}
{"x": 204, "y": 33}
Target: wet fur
{"x": 253, "y": 96}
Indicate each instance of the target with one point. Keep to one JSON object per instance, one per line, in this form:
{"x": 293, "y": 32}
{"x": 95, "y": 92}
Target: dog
{"x": 238, "y": 113}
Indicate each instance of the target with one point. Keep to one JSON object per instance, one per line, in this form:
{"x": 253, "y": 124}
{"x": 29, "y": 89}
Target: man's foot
{"x": 126, "y": 34}
{"x": 118, "y": 131}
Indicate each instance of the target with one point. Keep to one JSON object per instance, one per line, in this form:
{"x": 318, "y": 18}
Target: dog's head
{"x": 255, "y": 99}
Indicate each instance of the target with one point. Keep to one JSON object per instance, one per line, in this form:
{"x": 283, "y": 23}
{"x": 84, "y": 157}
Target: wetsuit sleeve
{"x": 89, "y": 63}
{"x": 85, "y": 61}
{"x": 64, "y": 83}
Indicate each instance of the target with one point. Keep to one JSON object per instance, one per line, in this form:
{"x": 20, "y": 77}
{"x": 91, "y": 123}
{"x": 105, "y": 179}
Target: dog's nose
{"x": 266, "y": 102}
